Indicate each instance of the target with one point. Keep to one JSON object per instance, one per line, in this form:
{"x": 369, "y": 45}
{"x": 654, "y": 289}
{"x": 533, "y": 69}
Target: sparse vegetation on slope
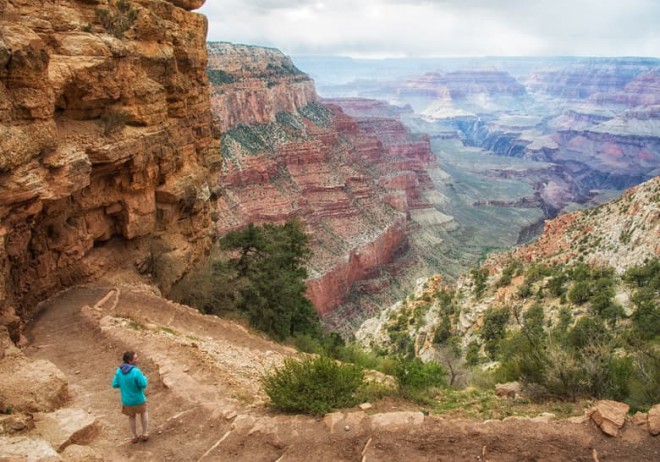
{"x": 567, "y": 326}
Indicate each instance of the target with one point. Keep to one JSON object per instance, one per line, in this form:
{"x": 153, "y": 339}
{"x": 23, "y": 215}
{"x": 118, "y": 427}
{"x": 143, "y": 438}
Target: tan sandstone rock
{"x": 93, "y": 124}
{"x": 188, "y": 4}
{"x": 640, "y": 419}
{"x": 11, "y": 424}
{"x": 76, "y": 453}
{"x": 333, "y": 420}
{"x": 609, "y": 415}
{"x": 26, "y": 449}
{"x": 28, "y": 386}
{"x": 654, "y": 420}
{"x": 66, "y": 426}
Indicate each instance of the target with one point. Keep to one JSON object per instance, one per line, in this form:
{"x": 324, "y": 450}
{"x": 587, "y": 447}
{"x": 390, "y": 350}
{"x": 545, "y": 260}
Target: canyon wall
{"x": 588, "y": 77}
{"x": 286, "y": 154}
{"x": 105, "y": 141}
{"x": 251, "y": 85}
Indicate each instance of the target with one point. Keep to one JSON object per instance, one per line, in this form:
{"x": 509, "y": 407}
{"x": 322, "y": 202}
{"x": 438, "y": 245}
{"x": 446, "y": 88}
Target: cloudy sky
{"x": 421, "y": 28}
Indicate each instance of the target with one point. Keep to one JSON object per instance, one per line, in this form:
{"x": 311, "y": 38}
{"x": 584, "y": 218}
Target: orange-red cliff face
{"x": 105, "y": 138}
{"x": 286, "y": 155}
{"x": 250, "y": 85}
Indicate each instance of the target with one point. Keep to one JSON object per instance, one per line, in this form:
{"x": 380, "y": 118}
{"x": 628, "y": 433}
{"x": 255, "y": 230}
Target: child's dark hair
{"x": 128, "y": 356}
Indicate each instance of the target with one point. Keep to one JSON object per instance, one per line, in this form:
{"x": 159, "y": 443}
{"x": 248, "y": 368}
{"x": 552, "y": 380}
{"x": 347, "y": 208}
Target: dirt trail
{"x": 205, "y": 403}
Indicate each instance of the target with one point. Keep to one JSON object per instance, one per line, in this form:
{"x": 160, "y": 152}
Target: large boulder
{"x": 24, "y": 449}
{"x": 31, "y": 386}
{"x": 66, "y": 426}
{"x": 654, "y": 420}
{"x": 610, "y": 416}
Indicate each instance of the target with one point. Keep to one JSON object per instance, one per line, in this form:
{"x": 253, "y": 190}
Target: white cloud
{"x": 440, "y": 27}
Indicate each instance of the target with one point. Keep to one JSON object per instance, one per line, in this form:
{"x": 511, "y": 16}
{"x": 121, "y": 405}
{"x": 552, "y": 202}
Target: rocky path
{"x": 205, "y": 403}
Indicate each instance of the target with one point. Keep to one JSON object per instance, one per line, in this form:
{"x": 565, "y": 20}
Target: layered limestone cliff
{"x": 644, "y": 90}
{"x": 287, "y": 155}
{"x": 251, "y": 85}
{"x": 590, "y": 77}
{"x": 105, "y": 143}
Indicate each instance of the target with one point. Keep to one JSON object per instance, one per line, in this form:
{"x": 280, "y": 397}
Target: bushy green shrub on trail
{"x": 418, "y": 375}
{"x": 313, "y": 385}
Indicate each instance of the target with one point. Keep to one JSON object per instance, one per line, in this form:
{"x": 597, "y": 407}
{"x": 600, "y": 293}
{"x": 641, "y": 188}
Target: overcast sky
{"x": 421, "y": 28}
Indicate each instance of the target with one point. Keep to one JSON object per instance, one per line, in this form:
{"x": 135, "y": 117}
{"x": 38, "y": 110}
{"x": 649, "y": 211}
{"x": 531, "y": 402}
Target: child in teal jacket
{"x": 131, "y": 382}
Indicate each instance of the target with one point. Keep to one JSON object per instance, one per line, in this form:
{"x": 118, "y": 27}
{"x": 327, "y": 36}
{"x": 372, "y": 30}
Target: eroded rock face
{"x": 105, "y": 137}
{"x": 31, "y": 386}
{"x": 67, "y": 426}
{"x": 251, "y": 85}
{"x": 21, "y": 448}
{"x": 352, "y": 181}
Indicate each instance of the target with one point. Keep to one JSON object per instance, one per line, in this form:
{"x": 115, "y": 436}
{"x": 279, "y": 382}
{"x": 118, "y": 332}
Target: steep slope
{"x": 287, "y": 155}
{"x": 620, "y": 234}
{"x": 105, "y": 143}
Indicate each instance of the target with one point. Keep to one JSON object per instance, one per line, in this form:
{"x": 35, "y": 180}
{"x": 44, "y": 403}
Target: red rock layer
{"x": 251, "y": 85}
{"x": 105, "y": 138}
{"x": 351, "y": 181}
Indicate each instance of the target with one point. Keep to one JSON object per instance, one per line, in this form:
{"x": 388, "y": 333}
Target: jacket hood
{"x": 126, "y": 368}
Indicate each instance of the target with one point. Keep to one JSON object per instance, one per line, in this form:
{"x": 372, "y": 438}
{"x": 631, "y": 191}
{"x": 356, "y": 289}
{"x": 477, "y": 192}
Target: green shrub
{"x": 219, "y": 77}
{"x": 646, "y": 318}
{"x": 587, "y": 331}
{"x": 317, "y": 113}
{"x": 418, "y": 375}
{"x": 556, "y": 285}
{"x": 646, "y": 275}
{"x": 512, "y": 269}
{"x": 479, "y": 276}
{"x": 494, "y": 329}
{"x": 473, "y": 353}
{"x": 313, "y": 385}
{"x": 118, "y": 19}
{"x": 355, "y": 354}
{"x": 580, "y": 293}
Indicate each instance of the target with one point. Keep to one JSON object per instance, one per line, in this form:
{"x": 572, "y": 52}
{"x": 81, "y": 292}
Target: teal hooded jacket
{"x": 131, "y": 382}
